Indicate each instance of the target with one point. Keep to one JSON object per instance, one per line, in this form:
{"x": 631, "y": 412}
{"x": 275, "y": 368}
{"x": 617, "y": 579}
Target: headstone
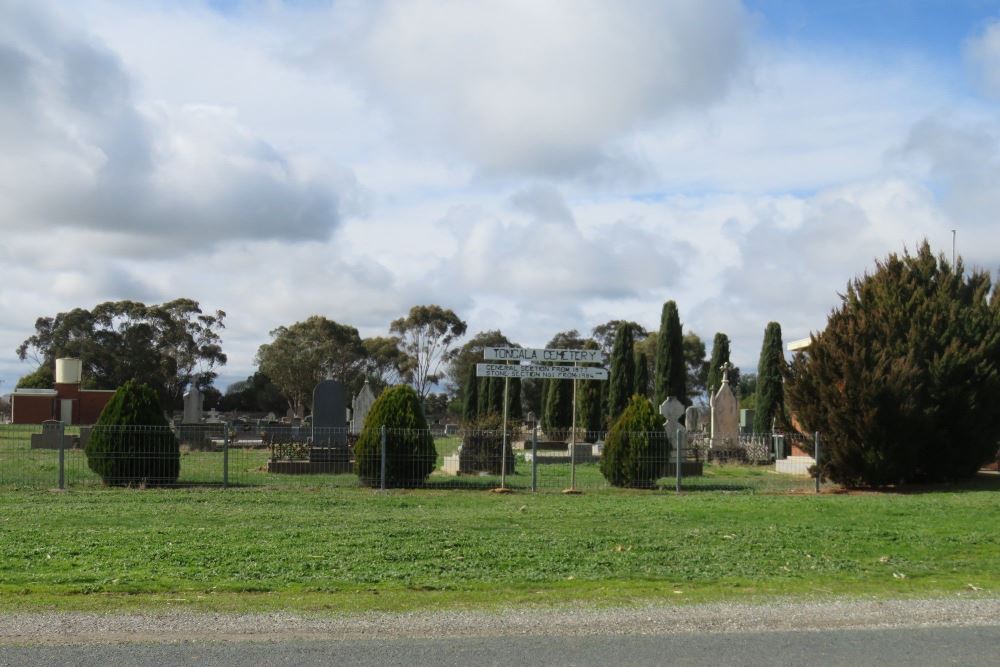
{"x": 671, "y": 409}
{"x": 692, "y": 417}
{"x": 360, "y": 407}
{"x": 746, "y": 420}
{"x": 329, "y": 426}
{"x": 725, "y": 415}
{"x": 193, "y": 400}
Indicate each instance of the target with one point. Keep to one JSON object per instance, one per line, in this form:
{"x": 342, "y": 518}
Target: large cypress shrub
{"x": 132, "y": 443}
{"x": 904, "y": 383}
{"x": 622, "y": 378}
{"x": 720, "y": 356}
{"x": 671, "y": 370}
{"x": 637, "y": 449}
{"x": 769, "y": 400}
{"x": 410, "y": 452}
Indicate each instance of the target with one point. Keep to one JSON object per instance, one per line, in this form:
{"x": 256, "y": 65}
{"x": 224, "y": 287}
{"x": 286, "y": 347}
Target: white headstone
{"x": 193, "y": 400}
{"x": 691, "y": 418}
{"x": 725, "y": 415}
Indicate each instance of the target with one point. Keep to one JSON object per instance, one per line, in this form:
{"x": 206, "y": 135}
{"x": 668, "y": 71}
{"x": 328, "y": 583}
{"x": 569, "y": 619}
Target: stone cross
{"x": 671, "y": 409}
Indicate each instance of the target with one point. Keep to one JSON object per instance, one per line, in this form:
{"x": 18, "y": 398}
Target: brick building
{"x": 68, "y": 401}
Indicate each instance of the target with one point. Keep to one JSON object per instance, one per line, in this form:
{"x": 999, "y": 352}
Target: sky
{"x": 536, "y": 167}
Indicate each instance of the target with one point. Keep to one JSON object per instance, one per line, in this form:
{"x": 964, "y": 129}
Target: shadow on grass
{"x": 984, "y": 481}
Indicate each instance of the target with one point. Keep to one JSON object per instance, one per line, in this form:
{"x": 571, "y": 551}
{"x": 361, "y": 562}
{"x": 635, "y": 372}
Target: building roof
{"x": 22, "y": 391}
{"x": 799, "y": 345}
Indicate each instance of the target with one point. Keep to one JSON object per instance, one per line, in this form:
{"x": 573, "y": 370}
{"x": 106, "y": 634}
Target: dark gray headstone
{"x": 329, "y": 416}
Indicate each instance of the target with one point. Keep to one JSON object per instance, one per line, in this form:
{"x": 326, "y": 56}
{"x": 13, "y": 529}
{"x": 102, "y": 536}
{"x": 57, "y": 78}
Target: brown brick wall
{"x": 32, "y": 409}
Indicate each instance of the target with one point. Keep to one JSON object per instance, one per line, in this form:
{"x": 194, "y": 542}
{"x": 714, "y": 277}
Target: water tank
{"x": 68, "y": 371}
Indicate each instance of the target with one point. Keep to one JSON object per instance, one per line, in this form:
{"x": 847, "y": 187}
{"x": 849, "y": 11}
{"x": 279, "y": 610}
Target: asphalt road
{"x": 907, "y": 647}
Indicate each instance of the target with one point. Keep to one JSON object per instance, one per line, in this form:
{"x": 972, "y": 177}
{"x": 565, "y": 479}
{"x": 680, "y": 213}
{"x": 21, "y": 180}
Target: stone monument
{"x": 193, "y": 401}
{"x": 329, "y": 415}
{"x": 360, "y": 407}
{"x": 671, "y": 409}
{"x": 725, "y": 415}
{"x": 692, "y": 419}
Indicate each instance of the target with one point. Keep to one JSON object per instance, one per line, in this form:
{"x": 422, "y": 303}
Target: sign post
{"x": 502, "y": 356}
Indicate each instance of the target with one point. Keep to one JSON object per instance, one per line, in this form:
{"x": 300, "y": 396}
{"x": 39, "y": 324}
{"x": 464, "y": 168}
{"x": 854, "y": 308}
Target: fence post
{"x": 61, "y": 432}
{"x": 225, "y": 455}
{"x": 677, "y": 457}
{"x": 534, "y": 458}
{"x": 819, "y": 474}
{"x": 382, "y": 460}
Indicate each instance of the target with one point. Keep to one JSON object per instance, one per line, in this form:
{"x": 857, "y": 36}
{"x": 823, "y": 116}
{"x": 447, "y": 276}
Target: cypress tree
{"x": 769, "y": 401}
{"x": 558, "y": 406}
{"x": 483, "y": 400}
{"x": 495, "y": 405}
{"x": 671, "y": 371}
{"x": 720, "y": 356}
{"x": 904, "y": 381}
{"x": 470, "y": 406}
{"x": 622, "y": 381}
{"x": 642, "y": 375}
{"x": 514, "y": 410}
{"x": 588, "y": 407}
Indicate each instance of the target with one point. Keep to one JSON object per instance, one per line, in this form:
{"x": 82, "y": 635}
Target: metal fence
{"x": 521, "y": 459}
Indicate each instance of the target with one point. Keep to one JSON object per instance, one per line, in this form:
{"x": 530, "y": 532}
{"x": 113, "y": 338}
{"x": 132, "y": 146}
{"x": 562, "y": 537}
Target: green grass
{"x": 350, "y": 549}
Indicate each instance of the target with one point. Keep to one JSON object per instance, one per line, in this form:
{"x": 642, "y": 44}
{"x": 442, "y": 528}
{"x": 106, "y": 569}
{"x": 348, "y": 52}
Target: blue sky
{"x": 537, "y": 167}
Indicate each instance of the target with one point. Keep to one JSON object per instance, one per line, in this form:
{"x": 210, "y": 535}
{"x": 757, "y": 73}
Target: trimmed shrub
{"x": 904, "y": 382}
{"x": 410, "y": 452}
{"x": 132, "y": 443}
{"x": 637, "y": 448}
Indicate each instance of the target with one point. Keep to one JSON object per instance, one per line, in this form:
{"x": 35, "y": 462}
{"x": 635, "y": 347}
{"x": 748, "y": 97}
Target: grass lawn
{"x": 350, "y": 549}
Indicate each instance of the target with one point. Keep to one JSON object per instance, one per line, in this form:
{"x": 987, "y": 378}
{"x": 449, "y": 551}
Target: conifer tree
{"x": 642, "y": 375}
{"x": 514, "y": 410}
{"x": 720, "y": 356}
{"x": 671, "y": 371}
{"x": 622, "y": 380}
{"x": 904, "y": 381}
{"x": 470, "y": 406}
{"x": 483, "y": 399}
{"x": 589, "y": 412}
{"x": 558, "y": 412}
{"x": 769, "y": 402}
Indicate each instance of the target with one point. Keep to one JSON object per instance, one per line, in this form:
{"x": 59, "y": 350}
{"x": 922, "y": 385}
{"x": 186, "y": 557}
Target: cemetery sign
{"x": 529, "y": 354}
{"x": 534, "y": 371}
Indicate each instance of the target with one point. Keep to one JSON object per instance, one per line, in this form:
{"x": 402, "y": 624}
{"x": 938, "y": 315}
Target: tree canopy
{"x": 425, "y": 336}
{"x": 301, "y": 355}
{"x": 162, "y": 345}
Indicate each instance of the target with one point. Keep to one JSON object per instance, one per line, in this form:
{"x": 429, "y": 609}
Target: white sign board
{"x": 541, "y": 372}
{"x": 529, "y": 354}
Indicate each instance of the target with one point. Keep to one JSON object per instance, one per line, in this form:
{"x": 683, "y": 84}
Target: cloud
{"x": 83, "y": 150}
{"x": 540, "y": 87}
{"x": 981, "y": 52}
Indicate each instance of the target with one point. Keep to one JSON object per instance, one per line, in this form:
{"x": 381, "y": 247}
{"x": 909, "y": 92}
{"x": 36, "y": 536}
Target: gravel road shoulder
{"x": 87, "y": 628}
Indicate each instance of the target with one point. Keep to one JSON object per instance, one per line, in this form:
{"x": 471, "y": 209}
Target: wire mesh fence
{"x": 526, "y": 459}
